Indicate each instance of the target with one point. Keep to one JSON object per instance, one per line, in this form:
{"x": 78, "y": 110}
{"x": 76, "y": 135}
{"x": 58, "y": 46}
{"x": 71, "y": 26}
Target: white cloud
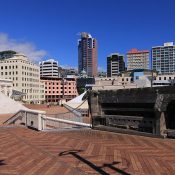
{"x": 27, "y": 48}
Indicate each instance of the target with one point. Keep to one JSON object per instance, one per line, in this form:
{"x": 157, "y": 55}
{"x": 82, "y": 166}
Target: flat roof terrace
{"x": 75, "y": 152}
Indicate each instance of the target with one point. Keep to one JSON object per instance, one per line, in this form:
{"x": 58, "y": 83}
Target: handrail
{"x": 67, "y": 121}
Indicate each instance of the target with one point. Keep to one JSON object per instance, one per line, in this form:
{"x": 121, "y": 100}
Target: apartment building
{"x": 57, "y": 89}
{"x": 137, "y": 59}
{"x": 49, "y": 68}
{"x": 163, "y": 58}
{"x": 24, "y": 74}
{"x": 115, "y": 64}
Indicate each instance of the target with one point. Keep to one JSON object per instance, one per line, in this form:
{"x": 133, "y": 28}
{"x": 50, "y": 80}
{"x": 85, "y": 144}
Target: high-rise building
{"x": 87, "y": 54}
{"x": 137, "y": 59}
{"x": 163, "y": 58}
{"x": 24, "y": 74}
{"x": 49, "y": 68}
{"x": 115, "y": 64}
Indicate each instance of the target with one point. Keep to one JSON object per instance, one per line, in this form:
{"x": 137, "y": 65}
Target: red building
{"x": 57, "y": 89}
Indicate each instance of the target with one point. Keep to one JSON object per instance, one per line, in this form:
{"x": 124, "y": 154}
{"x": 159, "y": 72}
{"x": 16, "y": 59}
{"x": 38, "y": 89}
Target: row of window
{"x": 10, "y": 67}
{"x": 19, "y": 61}
{"x": 16, "y": 73}
{"x": 30, "y": 79}
{"x": 30, "y": 74}
{"x": 30, "y": 69}
{"x": 58, "y": 92}
{"x": 65, "y": 83}
{"x": 58, "y": 96}
{"x": 31, "y": 96}
{"x": 164, "y": 78}
{"x": 30, "y": 91}
{"x": 59, "y": 87}
{"x": 10, "y": 73}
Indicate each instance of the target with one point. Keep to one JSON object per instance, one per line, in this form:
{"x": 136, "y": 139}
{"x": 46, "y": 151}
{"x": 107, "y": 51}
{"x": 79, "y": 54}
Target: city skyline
{"x": 51, "y": 29}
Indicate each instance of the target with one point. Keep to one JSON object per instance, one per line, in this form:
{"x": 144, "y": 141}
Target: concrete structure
{"x": 24, "y": 74}
{"x": 57, "y": 89}
{"x": 164, "y": 80}
{"x": 137, "y": 78}
{"x": 148, "y": 111}
{"x": 6, "y": 86}
{"x": 113, "y": 83}
{"x": 49, "y": 68}
{"x": 115, "y": 64}
{"x": 137, "y": 59}
{"x": 163, "y": 58}
{"x": 87, "y": 54}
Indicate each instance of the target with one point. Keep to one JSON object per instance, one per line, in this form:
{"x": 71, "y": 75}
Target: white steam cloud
{"x": 27, "y": 48}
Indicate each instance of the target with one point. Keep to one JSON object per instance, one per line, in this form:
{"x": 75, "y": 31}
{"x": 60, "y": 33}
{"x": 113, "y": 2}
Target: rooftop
{"x": 49, "y": 110}
{"x": 135, "y": 51}
{"x": 76, "y": 152}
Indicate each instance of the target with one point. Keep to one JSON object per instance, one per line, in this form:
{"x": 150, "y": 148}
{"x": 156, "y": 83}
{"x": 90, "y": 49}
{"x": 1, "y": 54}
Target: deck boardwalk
{"x": 28, "y": 152}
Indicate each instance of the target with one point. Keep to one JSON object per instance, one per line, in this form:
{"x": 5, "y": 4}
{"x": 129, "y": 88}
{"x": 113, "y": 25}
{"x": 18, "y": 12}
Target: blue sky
{"x": 50, "y": 27}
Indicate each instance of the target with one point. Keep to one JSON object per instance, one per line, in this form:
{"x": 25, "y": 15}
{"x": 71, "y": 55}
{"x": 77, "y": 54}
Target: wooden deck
{"x": 75, "y": 152}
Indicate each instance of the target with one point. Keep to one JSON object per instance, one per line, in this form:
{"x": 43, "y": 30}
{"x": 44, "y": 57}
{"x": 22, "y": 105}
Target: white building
{"x": 116, "y": 82}
{"x": 49, "y": 68}
{"x": 164, "y": 80}
{"x": 24, "y": 74}
{"x": 6, "y": 86}
{"x": 163, "y": 58}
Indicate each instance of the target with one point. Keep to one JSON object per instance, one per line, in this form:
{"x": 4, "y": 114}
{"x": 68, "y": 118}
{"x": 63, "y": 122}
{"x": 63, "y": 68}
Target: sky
{"x": 45, "y": 29}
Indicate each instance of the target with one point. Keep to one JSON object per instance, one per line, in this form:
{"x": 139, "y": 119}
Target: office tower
{"x": 163, "y": 58}
{"x": 137, "y": 59}
{"x": 115, "y": 64}
{"x": 87, "y": 55}
{"x": 49, "y": 68}
{"x": 24, "y": 74}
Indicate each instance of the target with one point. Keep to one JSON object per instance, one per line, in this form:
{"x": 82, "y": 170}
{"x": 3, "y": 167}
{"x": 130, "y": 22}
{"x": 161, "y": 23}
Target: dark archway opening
{"x": 170, "y": 118}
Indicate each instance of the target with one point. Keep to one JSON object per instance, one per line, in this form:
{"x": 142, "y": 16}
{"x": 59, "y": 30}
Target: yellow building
{"x": 24, "y": 74}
